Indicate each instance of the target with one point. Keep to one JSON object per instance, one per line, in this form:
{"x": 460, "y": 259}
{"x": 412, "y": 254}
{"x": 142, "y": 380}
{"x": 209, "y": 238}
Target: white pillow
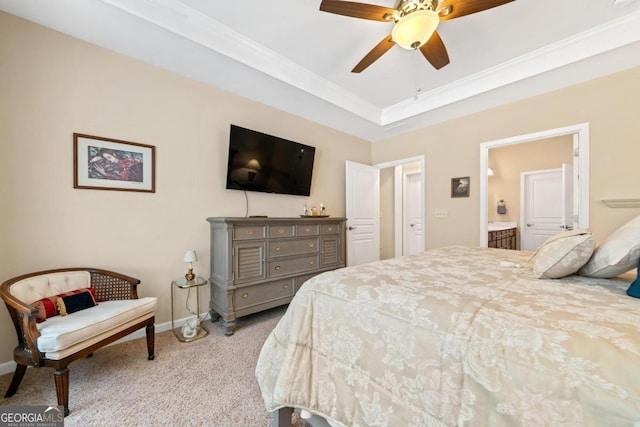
{"x": 563, "y": 254}
{"x": 618, "y": 254}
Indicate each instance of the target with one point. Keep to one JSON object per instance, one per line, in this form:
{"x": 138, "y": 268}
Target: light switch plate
{"x": 441, "y": 213}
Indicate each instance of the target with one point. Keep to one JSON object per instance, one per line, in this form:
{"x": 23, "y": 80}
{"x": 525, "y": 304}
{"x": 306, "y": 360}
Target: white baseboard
{"x": 9, "y": 367}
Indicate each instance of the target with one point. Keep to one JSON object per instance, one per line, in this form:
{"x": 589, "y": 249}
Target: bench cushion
{"x": 62, "y": 336}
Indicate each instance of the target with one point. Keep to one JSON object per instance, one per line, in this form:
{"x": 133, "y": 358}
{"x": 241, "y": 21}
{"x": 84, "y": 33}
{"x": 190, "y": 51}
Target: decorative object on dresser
{"x": 260, "y": 263}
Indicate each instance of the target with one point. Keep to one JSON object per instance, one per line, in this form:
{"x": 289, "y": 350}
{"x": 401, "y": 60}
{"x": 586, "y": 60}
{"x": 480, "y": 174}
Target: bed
{"x": 456, "y": 336}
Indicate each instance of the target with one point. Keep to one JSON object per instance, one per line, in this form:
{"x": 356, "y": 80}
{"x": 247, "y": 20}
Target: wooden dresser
{"x": 260, "y": 263}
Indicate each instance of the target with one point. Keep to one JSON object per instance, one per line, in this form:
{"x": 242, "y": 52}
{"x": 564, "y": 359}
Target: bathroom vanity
{"x": 503, "y": 235}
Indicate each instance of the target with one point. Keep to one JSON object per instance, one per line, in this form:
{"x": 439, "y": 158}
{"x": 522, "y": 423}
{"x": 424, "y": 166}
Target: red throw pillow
{"x": 47, "y": 307}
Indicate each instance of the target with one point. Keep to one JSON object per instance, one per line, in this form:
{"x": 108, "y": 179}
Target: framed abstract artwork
{"x": 109, "y": 164}
{"x": 460, "y": 187}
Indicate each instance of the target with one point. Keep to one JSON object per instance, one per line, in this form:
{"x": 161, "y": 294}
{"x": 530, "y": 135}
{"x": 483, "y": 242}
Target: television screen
{"x": 266, "y": 163}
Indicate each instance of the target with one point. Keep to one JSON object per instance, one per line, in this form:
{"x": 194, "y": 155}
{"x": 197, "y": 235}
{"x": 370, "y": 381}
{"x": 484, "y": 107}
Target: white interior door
{"x": 568, "y": 198}
{"x": 413, "y": 239}
{"x": 363, "y": 213}
{"x": 543, "y": 207}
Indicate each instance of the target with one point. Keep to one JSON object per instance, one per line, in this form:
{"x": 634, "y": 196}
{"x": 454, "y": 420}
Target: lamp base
{"x": 190, "y": 276}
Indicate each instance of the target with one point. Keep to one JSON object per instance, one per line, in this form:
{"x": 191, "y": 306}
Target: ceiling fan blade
{"x": 374, "y": 54}
{"x": 358, "y": 10}
{"x": 435, "y": 52}
{"x": 467, "y": 7}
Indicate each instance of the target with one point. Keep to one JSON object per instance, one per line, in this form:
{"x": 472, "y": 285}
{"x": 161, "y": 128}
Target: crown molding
{"x": 180, "y": 19}
{"x": 199, "y": 28}
{"x": 603, "y": 38}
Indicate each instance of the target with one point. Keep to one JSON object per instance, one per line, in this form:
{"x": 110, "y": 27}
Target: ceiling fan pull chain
{"x": 417, "y": 74}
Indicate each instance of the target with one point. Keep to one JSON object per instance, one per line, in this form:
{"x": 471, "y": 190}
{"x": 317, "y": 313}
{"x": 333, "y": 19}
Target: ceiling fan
{"x": 415, "y": 24}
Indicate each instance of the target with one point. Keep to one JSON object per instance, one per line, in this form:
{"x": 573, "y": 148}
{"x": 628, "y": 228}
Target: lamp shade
{"x": 415, "y": 29}
{"x": 190, "y": 256}
{"x": 254, "y": 164}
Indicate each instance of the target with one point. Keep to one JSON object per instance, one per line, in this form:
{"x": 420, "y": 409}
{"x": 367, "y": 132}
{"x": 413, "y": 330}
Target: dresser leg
{"x": 229, "y": 327}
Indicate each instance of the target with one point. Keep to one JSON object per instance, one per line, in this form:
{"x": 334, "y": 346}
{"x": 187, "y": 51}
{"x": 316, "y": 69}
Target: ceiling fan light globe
{"x": 414, "y": 29}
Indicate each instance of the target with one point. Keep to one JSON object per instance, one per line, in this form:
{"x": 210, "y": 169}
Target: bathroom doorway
{"x": 508, "y": 202}
{"x": 579, "y": 136}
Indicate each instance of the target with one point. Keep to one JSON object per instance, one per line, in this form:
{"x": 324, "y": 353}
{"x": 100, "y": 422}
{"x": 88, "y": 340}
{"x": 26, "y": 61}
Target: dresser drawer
{"x": 330, "y": 228}
{"x": 249, "y": 232}
{"x": 307, "y": 230}
{"x": 264, "y": 292}
{"x": 276, "y": 231}
{"x": 292, "y": 266}
{"x": 293, "y": 247}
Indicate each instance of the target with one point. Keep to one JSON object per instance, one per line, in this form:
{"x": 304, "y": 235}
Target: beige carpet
{"x": 209, "y": 382}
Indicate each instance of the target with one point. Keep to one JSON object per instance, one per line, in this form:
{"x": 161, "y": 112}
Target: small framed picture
{"x": 110, "y": 164}
{"x": 460, "y": 187}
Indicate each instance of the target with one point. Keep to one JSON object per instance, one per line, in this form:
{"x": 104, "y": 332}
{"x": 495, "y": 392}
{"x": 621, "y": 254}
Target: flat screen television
{"x": 269, "y": 164}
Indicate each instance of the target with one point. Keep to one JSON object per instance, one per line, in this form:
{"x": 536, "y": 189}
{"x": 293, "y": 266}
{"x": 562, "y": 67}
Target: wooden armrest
{"x": 24, "y": 321}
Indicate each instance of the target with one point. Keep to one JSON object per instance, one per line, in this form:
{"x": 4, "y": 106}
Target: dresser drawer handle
{"x": 277, "y": 249}
{"x": 277, "y": 267}
{"x": 245, "y": 295}
{"x": 311, "y": 262}
{"x": 281, "y": 230}
{"x": 310, "y": 244}
{"x": 330, "y": 228}
{"x": 250, "y": 232}
{"x": 285, "y": 286}
{"x": 307, "y": 229}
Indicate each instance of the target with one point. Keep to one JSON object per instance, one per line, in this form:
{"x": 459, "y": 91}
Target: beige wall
{"x": 510, "y": 161}
{"x": 51, "y": 86}
{"x": 452, "y": 149}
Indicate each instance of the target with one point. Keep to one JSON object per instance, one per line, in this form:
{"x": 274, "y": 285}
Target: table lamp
{"x": 190, "y": 257}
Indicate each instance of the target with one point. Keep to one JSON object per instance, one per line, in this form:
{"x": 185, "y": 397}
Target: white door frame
{"x": 397, "y": 164}
{"x": 580, "y": 133}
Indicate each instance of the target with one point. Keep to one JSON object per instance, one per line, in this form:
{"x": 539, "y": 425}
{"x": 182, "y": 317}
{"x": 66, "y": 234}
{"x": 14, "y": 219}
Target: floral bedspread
{"x": 452, "y": 337}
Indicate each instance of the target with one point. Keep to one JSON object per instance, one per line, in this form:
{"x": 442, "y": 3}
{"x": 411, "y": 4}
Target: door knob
{"x": 352, "y": 228}
{"x": 412, "y": 225}
{"x": 529, "y": 225}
